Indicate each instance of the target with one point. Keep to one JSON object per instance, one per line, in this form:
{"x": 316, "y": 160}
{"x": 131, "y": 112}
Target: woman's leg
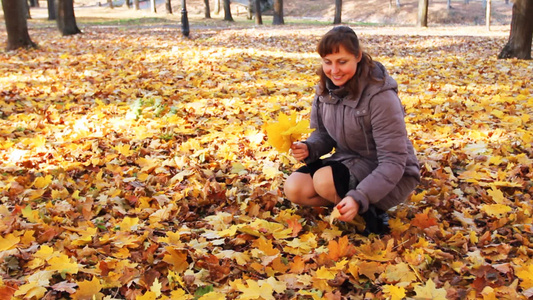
{"x": 299, "y": 189}
{"x": 324, "y": 184}
{"x": 319, "y": 190}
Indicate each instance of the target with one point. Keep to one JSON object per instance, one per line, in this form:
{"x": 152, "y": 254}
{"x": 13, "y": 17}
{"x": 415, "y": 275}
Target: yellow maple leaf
{"x": 399, "y": 273}
{"x": 147, "y": 296}
{"x": 497, "y": 196}
{"x": 30, "y": 214}
{"x": 88, "y": 290}
{"x": 526, "y": 274}
{"x": 394, "y": 292}
{"x": 370, "y": 269}
{"x": 212, "y": 296}
{"x": 429, "y": 292}
{"x": 180, "y": 294}
{"x": 335, "y": 214}
{"x": 496, "y": 209}
{"x": 86, "y": 236}
{"x": 63, "y": 264}
{"x": 253, "y": 290}
{"x": 325, "y": 273}
{"x": 129, "y": 224}
{"x": 156, "y": 287}
{"x": 285, "y": 131}
{"x": 31, "y": 290}
{"x": 124, "y": 149}
{"x": 8, "y": 242}
{"x": 176, "y": 258}
{"x": 42, "y": 182}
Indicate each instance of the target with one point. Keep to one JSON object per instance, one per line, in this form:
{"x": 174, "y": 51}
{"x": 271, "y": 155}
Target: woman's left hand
{"x": 348, "y": 208}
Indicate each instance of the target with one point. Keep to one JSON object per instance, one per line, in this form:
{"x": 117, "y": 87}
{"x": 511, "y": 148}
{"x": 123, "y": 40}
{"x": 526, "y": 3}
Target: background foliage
{"x": 134, "y": 165}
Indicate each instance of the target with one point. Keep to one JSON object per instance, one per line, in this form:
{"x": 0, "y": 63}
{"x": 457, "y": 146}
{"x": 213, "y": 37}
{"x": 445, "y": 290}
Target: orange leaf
{"x": 424, "y": 220}
{"x": 88, "y": 290}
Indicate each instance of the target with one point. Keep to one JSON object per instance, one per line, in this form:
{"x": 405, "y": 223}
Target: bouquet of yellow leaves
{"x": 286, "y": 130}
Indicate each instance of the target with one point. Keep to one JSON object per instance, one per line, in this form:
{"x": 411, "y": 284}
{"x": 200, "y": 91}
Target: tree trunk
{"x": 136, "y": 4}
{"x": 28, "y": 14}
{"x": 422, "y": 19}
{"x": 153, "y": 8}
{"x": 110, "y": 3}
{"x": 449, "y": 4}
{"x": 66, "y": 21}
{"x": 250, "y": 10}
{"x": 128, "y": 3}
{"x": 487, "y": 15}
{"x": 338, "y": 12}
{"x": 51, "y": 10}
{"x": 168, "y": 6}
{"x": 278, "y": 13}
{"x": 521, "y": 35}
{"x": 398, "y": 4}
{"x": 227, "y": 11}
{"x": 16, "y": 25}
{"x": 34, "y": 3}
{"x": 258, "y": 15}
{"x": 217, "y": 7}
{"x": 207, "y": 13}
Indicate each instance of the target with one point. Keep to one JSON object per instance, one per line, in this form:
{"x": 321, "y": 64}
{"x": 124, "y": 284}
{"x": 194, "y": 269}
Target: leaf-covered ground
{"x": 134, "y": 165}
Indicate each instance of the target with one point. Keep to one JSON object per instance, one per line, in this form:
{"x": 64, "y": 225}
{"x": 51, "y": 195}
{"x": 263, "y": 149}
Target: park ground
{"x": 134, "y": 162}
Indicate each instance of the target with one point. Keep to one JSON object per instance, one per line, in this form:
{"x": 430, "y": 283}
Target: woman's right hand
{"x": 299, "y": 151}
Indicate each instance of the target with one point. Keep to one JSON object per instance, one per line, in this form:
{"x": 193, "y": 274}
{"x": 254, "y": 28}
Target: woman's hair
{"x": 330, "y": 43}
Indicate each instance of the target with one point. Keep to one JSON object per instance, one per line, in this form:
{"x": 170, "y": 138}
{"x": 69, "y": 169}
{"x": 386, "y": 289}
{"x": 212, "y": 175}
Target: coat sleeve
{"x": 319, "y": 142}
{"x": 389, "y": 132}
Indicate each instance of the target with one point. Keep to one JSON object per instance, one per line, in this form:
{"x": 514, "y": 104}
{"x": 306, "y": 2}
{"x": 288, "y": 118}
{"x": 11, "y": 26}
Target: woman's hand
{"x": 299, "y": 151}
{"x": 348, "y": 208}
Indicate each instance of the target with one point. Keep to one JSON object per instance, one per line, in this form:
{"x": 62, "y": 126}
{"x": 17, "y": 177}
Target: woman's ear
{"x": 360, "y": 56}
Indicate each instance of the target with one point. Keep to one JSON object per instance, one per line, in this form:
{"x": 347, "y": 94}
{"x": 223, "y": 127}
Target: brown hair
{"x": 330, "y": 43}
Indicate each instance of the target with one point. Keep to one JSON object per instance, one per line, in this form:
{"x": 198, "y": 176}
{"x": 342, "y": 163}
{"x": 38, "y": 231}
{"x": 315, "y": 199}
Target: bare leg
{"x": 299, "y": 189}
{"x": 325, "y": 186}
{"x": 319, "y": 190}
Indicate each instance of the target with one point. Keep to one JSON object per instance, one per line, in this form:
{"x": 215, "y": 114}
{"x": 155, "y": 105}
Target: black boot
{"x": 377, "y": 221}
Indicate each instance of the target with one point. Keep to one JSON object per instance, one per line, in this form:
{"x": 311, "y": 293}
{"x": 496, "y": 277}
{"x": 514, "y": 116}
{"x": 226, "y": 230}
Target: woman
{"x": 358, "y": 116}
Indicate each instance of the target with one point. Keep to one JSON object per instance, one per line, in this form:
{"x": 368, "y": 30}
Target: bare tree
{"x": 207, "y": 12}
{"x": 51, "y": 10}
{"x": 16, "y": 25}
{"x": 258, "y": 15}
{"x": 168, "y": 6}
{"x": 521, "y": 35}
{"x": 217, "y": 7}
{"x": 338, "y": 12}
{"x": 487, "y": 14}
{"x": 66, "y": 21}
{"x": 422, "y": 19}
{"x": 227, "y": 11}
{"x": 278, "y": 13}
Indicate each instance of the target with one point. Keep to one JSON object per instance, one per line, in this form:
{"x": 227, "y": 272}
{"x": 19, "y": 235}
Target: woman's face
{"x": 339, "y": 67}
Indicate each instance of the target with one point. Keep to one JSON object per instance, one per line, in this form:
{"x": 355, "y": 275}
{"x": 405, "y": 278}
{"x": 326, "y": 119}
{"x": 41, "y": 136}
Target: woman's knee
{"x": 296, "y": 187}
{"x": 323, "y": 183}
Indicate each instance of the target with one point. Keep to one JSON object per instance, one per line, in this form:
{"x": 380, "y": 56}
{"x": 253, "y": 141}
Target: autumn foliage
{"x": 135, "y": 165}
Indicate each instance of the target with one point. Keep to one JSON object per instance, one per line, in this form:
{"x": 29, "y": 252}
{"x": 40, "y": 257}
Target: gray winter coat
{"x": 368, "y": 135}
